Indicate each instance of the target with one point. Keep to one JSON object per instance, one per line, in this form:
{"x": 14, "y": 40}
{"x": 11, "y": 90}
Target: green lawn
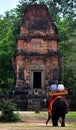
{"x": 71, "y": 114}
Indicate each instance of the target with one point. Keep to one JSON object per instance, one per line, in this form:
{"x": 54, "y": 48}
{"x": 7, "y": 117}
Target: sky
{"x": 7, "y": 5}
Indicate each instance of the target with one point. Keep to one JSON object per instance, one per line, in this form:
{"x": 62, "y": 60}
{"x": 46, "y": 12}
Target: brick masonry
{"x": 38, "y": 53}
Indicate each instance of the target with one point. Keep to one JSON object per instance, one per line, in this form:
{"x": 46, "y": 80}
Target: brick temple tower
{"x": 37, "y": 60}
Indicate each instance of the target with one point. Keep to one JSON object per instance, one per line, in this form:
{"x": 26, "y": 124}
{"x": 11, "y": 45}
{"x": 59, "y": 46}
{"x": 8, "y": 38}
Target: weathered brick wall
{"x": 38, "y": 44}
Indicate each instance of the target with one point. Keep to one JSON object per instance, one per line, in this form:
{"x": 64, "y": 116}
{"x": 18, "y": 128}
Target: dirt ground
{"x": 33, "y": 121}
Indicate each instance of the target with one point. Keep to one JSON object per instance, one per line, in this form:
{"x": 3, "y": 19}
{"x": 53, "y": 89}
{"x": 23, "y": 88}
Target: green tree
{"x": 63, "y": 12}
{"x": 7, "y": 49}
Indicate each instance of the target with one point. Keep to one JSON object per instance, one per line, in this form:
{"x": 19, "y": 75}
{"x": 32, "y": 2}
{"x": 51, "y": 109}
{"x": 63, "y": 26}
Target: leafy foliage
{"x": 7, "y": 108}
{"x": 63, "y": 13}
{"x": 7, "y": 49}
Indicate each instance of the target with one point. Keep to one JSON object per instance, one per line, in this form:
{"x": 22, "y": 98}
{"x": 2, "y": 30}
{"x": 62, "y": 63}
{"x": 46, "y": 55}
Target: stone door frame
{"x": 37, "y": 68}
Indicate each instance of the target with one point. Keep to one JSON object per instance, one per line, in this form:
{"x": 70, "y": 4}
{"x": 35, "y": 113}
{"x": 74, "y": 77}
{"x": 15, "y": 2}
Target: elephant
{"x": 59, "y": 110}
{"x": 60, "y": 107}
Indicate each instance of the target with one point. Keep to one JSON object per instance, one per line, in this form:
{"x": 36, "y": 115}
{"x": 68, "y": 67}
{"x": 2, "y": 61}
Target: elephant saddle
{"x": 52, "y": 100}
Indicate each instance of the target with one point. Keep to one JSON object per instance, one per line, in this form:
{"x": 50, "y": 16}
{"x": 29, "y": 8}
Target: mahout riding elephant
{"x": 59, "y": 110}
{"x": 57, "y": 106}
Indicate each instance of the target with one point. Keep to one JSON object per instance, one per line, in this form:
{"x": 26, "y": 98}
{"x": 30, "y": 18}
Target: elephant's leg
{"x": 54, "y": 121}
{"x": 63, "y": 121}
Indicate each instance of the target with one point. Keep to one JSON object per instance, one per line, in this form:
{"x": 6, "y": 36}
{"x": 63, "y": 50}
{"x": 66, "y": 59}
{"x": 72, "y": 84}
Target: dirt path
{"x": 33, "y": 121}
{"x": 34, "y": 126}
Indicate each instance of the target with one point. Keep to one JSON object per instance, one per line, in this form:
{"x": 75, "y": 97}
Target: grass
{"x": 71, "y": 115}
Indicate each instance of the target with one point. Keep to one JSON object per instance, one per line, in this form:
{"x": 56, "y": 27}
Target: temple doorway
{"x": 36, "y": 79}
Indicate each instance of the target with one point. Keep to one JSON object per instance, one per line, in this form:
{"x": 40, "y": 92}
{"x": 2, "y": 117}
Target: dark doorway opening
{"x": 36, "y": 79}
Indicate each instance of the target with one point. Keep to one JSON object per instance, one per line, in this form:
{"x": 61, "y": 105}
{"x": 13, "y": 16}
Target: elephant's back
{"x": 59, "y": 106}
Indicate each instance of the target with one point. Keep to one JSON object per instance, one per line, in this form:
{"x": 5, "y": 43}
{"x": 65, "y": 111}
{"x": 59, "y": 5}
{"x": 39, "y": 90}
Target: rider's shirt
{"x": 53, "y": 88}
{"x": 60, "y": 87}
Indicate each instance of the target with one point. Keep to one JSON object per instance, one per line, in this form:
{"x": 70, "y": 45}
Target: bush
{"x": 7, "y": 112}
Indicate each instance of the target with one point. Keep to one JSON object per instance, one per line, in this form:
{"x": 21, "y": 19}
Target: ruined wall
{"x": 37, "y": 46}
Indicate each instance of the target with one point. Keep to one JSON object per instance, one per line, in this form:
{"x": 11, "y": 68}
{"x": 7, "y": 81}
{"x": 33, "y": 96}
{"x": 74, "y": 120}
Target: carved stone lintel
{"x": 37, "y": 67}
